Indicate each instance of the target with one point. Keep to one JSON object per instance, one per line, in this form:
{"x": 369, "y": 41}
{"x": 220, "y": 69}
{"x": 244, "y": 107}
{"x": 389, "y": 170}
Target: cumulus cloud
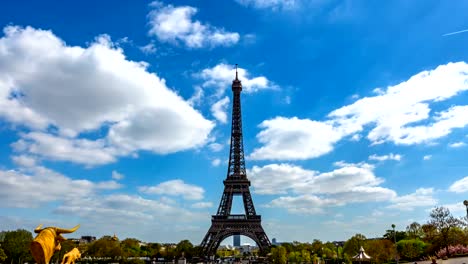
{"x": 216, "y": 162}
{"x": 27, "y": 189}
{"x": 176, "y": 25}
{"x": 390, "y": 115}
{"x": 390, "y": 156}
{"x": 175, "y": 188}
{"x": 149, "y": 48}
{"x": 24, "y": 161}
{"x": 422, "y": 197}
{"x": 459, "y": 186}
{"x": 427, "y": 157}
{"x": 294, "y": 139}
{"x": 46, "y": 84}
{"x": 308, "y": 191}
{"x": 221, "y": 76}
{"x": 219, "y": 109}
{"x": 117, "y": 176}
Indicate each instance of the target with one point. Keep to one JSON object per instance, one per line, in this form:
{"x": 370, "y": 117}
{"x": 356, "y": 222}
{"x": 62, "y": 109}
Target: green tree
{"x": 16, "y": 245}
{"x": 444, "y": 222}
{"x": 130, "y": 247}
{"x": 305, "y": 255}
{"x": 411, "y": 249}
{"x": 414, "y": 231}
{"x": 184, "y": 247}
{"x": 381, "y": 250}
{"x": 352, "y": 245}
{"x": 3, "y": 256}
{"x": 279, "y": 255}
{"x": 106, "y": 246}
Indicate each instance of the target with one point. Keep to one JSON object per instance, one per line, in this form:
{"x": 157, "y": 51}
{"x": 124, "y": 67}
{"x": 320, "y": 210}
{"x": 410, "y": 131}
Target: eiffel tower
{"x": 225, "y": 224}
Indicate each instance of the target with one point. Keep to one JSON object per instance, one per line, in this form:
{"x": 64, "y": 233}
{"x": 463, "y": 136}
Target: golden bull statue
{"x": 47, "y": 242}
{"x": 71, "y": 256}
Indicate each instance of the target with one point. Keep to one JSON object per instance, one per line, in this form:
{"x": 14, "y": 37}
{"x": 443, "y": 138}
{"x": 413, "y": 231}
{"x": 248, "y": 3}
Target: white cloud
{"x": 390, "y": 156}
{"x": 41, "y": 185}
{"x": 407, "y": 103}
{"x": 52, "y": 147}
{"x": 74, "y": 90}
{"x": 304, "y": 204}
{"x": 24, "y": 161}
{"x": 457, "y": 144}
{"x": 175, "y": 24}
{"x": 270, "y": 4}
{"x": 389, "y": 116}
{"x": 350, "y": 183}
{"x": 175, "y": 188}
{"x": 422, "y": 197}
{"x": 219, "y": 109}
{"x": 216, "y": 162}
{"x": 427, "y": 157}
{"x": 117, "y": 176}
{"x": 459, "y": 186}
{"x": 201, "y": 205}
{"x": 222, "y": 75}
{"x": 293, "y": 138}
{"x": 216, "y": 147}
{"x": 149, "y": 48}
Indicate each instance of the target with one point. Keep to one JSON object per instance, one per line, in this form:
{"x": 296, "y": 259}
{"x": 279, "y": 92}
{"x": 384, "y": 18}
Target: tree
{"x": 381, "y": 250}
{"x": 130, "y": 247}
{"x": 3, "y": 256}
{"x": 278, "y": 255}
{"x": 444, "y": 222}
{"x": 411, "y": 248}
{"x": 106, "y": 246}
{"x": 351, "y": 247}
{"x": 16, "y": 245}
{"x": 184, "y": 247}
{"x": 414, "y": 231}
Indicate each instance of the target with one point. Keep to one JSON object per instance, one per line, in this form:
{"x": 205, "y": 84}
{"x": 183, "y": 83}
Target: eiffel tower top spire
{"x": 236, "y": 168}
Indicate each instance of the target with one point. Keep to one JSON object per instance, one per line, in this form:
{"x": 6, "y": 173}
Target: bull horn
{"x": 62, "y": 230}
{"x": 38, "y": 229}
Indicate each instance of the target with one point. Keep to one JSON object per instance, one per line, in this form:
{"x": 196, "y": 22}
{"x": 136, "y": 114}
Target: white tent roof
{"x": 361, "y": 255}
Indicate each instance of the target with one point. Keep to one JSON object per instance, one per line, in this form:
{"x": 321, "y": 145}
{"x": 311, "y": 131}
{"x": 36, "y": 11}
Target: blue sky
{"x": 116, "y": 114}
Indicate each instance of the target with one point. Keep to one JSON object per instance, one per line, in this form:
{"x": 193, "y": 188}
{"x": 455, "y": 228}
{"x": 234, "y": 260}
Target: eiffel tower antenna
{"x": 224, "y": 224}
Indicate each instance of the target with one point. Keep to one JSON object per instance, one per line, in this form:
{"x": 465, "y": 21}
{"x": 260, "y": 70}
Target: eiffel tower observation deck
{"x": 224, "y": 224}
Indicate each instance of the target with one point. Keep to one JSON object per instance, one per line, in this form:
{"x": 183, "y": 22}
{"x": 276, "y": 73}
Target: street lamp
{"x": 466, "y": 204}
{"x": 394, "y": 240}
{"x": 337, "y": 253}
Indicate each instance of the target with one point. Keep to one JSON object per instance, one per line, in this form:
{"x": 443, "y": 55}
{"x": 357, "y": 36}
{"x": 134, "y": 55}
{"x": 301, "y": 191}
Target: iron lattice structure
{"x": 225, "y": 224}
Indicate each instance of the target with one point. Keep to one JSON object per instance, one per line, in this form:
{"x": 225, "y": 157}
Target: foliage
{"x": 3, "y": 256}
{"x": 351, "y": 247}
{"x": 414, "y": 231}
{"x": 453, "y": 250}
{"x": 278, "y": 255}
{"x": 130, "y": 247}
{"x": 381, "y": 250}
{"x": 411, "y": 249}
{"x": 16, "y": 245}
{"x": 444, "y": 222}
{"x": 106, "y": 246}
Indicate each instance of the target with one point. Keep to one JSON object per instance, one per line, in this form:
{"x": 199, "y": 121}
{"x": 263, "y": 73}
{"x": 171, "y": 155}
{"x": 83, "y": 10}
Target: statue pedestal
{"x": 182, "y": 261}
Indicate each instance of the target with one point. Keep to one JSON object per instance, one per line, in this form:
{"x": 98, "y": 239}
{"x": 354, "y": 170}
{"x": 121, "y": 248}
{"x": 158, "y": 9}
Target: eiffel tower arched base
{"x": 226, "y": 226}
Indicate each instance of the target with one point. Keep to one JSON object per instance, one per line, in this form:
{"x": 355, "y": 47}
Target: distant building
{"x": 236, "y": 240}
{"x": 87, "y": 239}
{"x": 274, "y": 242}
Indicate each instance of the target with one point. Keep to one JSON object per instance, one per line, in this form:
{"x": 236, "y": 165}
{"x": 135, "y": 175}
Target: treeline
{"x": 442, "y": 236}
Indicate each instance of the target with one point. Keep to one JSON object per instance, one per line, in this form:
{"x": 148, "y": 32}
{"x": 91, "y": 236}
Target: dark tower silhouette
{"x": 225, "y": 224}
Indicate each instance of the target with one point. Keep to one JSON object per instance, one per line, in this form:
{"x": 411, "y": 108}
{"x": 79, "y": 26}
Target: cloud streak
{"x": 454, "y": 33}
